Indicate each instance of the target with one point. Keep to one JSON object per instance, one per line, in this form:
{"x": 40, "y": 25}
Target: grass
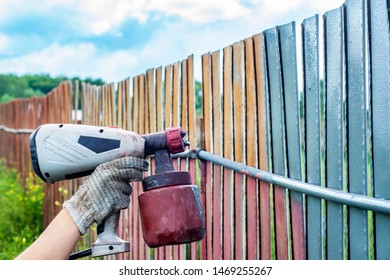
{"x": 21, "y": 217}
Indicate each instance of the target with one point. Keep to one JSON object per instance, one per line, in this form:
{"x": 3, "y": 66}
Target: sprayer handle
{"x": 108, "y": 241}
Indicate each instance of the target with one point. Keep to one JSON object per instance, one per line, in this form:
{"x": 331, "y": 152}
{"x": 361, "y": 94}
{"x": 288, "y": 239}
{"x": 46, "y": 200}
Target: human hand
{"x": 105, "y": 192}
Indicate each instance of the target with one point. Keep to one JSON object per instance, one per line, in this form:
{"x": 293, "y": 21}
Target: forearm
{"x": 56, "y": 242}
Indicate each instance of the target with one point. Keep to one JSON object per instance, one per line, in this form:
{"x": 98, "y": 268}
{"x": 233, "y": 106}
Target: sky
{"x": 116, "y": 39}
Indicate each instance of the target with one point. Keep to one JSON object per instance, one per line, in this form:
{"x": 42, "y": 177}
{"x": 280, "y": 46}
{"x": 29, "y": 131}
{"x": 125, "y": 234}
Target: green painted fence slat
{"x": 312, "y": 113}
{"x": 278, "y": 139}
{"x": 335, "y": 127}
{"x": 380, "y": 85}
{"x": 357, "y": 124}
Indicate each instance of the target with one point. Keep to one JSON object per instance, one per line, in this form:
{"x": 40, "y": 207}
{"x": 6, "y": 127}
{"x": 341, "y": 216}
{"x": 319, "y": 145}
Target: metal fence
{"x": 294, "y": 131}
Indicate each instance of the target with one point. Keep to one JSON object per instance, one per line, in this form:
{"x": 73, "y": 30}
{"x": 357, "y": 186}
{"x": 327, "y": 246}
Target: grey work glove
{"x": 105, "y": 192}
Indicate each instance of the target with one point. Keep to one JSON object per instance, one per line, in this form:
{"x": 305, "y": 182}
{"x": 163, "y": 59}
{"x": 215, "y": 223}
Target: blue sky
{"x": 114, "y": 40}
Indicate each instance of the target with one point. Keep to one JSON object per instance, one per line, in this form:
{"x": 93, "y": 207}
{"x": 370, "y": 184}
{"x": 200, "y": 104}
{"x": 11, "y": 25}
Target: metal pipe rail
{"x": 350, "y": 199}
{"x": 16, "y": 131}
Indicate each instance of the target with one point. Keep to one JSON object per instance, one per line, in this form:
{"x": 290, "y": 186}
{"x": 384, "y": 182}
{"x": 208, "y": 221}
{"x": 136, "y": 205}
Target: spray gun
{"x": 170, "y": 208}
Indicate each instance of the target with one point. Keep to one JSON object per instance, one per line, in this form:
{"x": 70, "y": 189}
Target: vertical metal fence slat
{"x": 119, "y": 102}
{"x": 252, "y": 220}
{"x": 313, "y": 133}
{"x": 184, "y": 96}
{"x": 208, "y": 146}
{"x": 137, "y": 186}
{"x": 239, "y": 146}
{"x": 126, "y": 124}
{"x": 357, "y": 124}
{"x": 335, "y": 127}
{"x": 227, "y": 153}
{"x": 168, "y": 83}
{"x": 151, "y": 92}
{"x": 133, "y": 215}
{"x": 217, "y": 147}
{"x": 159, "y": 100}
{"x": 176, "y": 121}
{"x": 159, "y": 253}
{"x": 380, "y": 85}
{"x": 168, "y": 96}
{"x": 291, "y": 94}
{"x": 184, "y": 124}
{"x": 151, "y": 126}
{"x": 192, "y": 135}
{"x": 176, "y": 94}
{"x": 135, "y": 106}
{"x": 278, "y": 139}
{"x": 143, "y": 129}
{"x": 263, "y": 163}
{"x": 122, "y": 218}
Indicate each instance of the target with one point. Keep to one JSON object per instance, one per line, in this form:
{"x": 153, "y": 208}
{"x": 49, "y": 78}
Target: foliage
{"x": 13, "y": 86}
{"x": 20, "y": 212}
{"x": 198, "y": 98}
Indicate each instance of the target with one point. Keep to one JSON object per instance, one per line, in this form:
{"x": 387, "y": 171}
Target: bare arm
{"x": 107, "y": 190}
{"x": 56, "y": 242}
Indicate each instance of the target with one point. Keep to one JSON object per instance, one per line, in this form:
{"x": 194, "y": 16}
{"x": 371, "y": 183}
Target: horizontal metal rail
{"x": 16, "y": 131}
{"x": 350, "y": 199}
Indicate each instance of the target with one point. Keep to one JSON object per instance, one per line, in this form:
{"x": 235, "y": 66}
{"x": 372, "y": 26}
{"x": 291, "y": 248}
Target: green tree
{"x": 198, "y": 98}
{"x": 12, "y": 86}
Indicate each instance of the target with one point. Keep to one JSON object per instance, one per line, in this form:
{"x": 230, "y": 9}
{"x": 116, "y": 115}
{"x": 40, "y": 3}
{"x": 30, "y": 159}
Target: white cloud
{"x": 83, "y": 60}
{"x": 281, "y": 7}
{"x": 201, "y": 11}
{"x": 4, "y": 43}
{"x": 97, "y": 17}
{"x": 172, "y": 42}
{"x": 54, "y": 59}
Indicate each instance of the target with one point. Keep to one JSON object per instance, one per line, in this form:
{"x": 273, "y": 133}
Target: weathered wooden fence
{"x": 330, "y": 138}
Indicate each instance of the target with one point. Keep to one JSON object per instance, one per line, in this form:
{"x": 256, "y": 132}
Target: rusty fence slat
{"x": 168, "y": 122}
{"x": 135, "y": 106}
{"x": 144, "y": 129}
{"x": 208, "y": 145}
{"x": 120, "y": 104}
{"x": 239, "y": 147}
{"x": 227, "y": 153}
{"x": 183, "y": 112}
{"x": 217, "y": 148}
{"x": 177, "y": 250}
{"x": 252, "y": 219}
{"x": 168, "y": 96}
{"x": 159, "y": 253}
{"x": 159, "y": 100}
{"x": 151, "y": 93}
{"x": 263, "y": 141}
{"x": 192, "y": 135}
{"x": 176, "y": 94}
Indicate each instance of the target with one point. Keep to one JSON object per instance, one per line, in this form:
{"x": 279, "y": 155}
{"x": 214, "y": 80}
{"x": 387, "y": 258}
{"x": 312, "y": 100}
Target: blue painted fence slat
{"x": 335, "y": 127}
{"x": 380, "y": 85}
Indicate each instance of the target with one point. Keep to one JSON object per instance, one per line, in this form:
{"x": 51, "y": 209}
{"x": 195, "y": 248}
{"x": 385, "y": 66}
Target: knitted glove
{"x": 105, "y": 192}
